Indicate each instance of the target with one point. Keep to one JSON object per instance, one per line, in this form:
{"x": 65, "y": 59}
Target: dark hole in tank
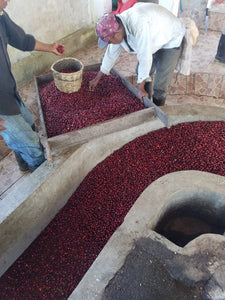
{"x": 182, "y": 224}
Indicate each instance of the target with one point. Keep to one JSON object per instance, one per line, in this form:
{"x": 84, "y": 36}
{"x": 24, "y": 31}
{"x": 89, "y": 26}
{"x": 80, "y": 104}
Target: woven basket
{"x": 68, "y": 82}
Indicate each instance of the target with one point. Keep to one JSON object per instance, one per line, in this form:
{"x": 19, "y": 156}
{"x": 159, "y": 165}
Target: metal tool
{"x": 207, "y": 15}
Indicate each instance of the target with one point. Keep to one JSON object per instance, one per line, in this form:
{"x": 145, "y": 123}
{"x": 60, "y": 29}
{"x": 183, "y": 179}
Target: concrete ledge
{"x": 192, "y": 113}
{"x": 39, "y": 62}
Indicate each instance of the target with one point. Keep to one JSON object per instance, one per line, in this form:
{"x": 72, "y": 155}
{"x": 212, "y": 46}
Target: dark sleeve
{"x": 17, "y": 38}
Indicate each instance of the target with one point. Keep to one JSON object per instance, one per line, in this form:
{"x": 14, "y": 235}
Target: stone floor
{"x": 207, "y": 82}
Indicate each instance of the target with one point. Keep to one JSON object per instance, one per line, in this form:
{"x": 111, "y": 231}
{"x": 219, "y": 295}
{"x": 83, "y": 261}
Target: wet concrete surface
{"x": 145, "y": 274}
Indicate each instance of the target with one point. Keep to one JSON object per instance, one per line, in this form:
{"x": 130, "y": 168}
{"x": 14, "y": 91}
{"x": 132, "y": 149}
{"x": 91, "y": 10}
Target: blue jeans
{"x": 20, "y": 137}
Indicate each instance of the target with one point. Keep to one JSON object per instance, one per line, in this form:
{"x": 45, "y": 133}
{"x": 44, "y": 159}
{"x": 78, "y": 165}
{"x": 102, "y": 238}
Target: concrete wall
{"x": 71, "y": 22}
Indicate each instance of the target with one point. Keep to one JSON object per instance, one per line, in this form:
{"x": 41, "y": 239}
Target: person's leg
{"x": 166, "y": 61}
{"x": 154, "y": 64}
{"x": 23, "y": 166}
{"x": 220, "y": 55}
{"x": 20, "y": 137}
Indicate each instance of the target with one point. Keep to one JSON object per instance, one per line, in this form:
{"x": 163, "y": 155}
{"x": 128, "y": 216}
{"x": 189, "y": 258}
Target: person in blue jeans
{"x": 16, "y": 122}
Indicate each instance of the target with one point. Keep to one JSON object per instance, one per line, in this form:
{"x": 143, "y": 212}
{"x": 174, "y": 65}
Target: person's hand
{"x": 1, "y": 126}
{"x": 55, "y": 48}
{"x": 94, "y": 82}
{"x": 58, "y": 49}
{"x": 141, "y": 92}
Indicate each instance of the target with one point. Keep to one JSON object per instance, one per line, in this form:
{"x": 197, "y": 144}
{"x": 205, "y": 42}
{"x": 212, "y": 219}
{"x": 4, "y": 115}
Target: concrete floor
{"x": 205, "y": 71}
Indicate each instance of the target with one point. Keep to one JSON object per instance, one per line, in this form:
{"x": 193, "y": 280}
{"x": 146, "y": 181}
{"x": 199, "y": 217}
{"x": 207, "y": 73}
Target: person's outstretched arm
{"x": 55, "y": 48}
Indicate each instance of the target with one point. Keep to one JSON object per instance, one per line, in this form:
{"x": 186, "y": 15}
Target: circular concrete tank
{"x": 198, "y": 214}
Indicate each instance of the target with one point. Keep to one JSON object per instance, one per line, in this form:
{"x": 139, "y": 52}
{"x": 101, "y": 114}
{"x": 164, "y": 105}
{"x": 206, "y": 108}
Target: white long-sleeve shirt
{"x": 149, "y": 27}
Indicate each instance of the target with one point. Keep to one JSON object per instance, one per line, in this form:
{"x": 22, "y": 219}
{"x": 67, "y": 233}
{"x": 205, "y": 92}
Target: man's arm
{"x": 111, "y": 54}
{"x": 26, "y": 42}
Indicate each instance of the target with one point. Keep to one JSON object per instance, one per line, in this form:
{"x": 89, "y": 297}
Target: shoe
{"x": 23, "y": 166}
{"x": 25, "y": 171}
{"x": 159, "y": 102}
{"x": 33, "y": 168}
{"x": 220, "y": 59}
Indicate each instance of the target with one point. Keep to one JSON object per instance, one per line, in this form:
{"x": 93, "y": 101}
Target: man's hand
{"x": 141, "y": 91}
{"x": 55, "y": 48}
{"x": 94, "y": 82}
{"x": 58, "y": 49}
{"x": 1, "y": 126}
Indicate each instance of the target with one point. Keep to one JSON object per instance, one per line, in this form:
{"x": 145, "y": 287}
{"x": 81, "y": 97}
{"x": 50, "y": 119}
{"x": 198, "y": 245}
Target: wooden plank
{"x": 81, "y": 136}
{"x": 39, "y": 80}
